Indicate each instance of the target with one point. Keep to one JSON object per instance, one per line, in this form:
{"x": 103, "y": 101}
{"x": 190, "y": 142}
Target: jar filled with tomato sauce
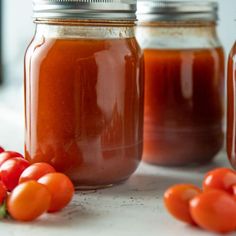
{"x": 184, "y": 81}
{"x": 231, "y": 107}
{"x": 84, "y": 90}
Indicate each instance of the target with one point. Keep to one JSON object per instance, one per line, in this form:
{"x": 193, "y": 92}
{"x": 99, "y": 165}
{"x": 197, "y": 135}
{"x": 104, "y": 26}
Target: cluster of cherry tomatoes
{"x": 212, "y": 208}
{"x": 27, "y": 191}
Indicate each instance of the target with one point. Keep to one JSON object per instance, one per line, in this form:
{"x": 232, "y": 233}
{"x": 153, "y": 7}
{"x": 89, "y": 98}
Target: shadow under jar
{"x": 84, "y": 91}
{"x": 184, "y": 81}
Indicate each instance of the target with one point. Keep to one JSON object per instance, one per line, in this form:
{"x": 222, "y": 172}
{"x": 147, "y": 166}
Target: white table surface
{"x": 134, "y": 208}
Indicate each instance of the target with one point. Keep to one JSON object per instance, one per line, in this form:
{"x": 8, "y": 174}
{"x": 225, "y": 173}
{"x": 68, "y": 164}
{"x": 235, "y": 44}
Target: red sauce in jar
{"x": 84, "y": 108}
{"x": 231, "y": 109}
{"x": 184, "y": 92}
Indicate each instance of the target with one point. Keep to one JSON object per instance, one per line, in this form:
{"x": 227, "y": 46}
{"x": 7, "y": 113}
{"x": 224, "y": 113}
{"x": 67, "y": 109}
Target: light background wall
{"x": 18, "y": 30}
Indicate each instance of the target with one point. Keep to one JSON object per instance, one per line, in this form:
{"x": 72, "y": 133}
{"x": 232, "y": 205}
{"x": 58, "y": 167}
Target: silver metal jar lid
{"x": 85, "y": 9}
{"x": 154, "y": 10}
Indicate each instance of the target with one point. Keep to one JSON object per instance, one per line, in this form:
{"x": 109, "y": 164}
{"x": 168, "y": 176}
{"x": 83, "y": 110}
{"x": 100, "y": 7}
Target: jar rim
{"x": 156, "y": 10}
{"x": 85, "y": 9}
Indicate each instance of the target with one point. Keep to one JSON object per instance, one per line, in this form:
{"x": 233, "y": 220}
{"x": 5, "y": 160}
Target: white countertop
{"x": 134, "y": 208}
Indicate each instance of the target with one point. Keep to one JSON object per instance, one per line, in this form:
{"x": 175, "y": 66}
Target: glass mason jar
{"x": 184, "y": 81}
{"x": 84, "y": 90}
{"x": 231, "y": 107}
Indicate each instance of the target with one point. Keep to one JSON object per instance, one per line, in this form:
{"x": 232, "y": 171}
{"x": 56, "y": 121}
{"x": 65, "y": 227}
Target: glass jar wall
{"x": 231, "y": 111}
{"x": 84, "y": 93}
{"x": 184, "y": 82}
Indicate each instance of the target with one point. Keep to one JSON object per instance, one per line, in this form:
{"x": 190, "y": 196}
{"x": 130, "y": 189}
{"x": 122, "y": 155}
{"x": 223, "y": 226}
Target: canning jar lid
{"x": 154, "y": 10}
{"x": 85, "y": 9}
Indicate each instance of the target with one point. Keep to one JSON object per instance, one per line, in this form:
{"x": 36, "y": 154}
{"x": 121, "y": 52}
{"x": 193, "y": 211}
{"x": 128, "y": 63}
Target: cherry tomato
{"x": 177, "y": 198}
{"x": 28, "y": 201}
{"x": 4, "y": 156}
{"x": 11, "y": 170}
{"x": 220, "y": 178}
{"x": 3, "y": 192}
{"x": 36, "y": 171}
{"x": 61, "y": 189}
{"x": 1, "y": 150}
{"x": 214, "y": 210}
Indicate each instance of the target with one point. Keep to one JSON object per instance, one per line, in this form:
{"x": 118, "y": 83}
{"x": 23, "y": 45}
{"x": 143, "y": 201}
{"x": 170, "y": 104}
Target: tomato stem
{"x": 3, "y": 210}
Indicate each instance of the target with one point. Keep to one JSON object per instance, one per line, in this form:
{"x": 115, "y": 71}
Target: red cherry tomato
{"x": 36, "y": 171}
{"x": 214, "y": 210}
{"x": 3, "y": 192}
{"x": 220, "y": 178}
{"x": 11, "y": 170}
{"x": 28, "y": 201}
{"x": 177, "y": 198}
{"x": 61, "y": 189}
{"x": 6, "y": 155}
{"x": 1, "y": 150}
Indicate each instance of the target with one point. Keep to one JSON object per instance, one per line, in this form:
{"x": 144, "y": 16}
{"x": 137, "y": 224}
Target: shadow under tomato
{"x": 74, "y": 214}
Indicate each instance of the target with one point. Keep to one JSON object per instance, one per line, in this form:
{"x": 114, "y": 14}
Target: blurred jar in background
{"x": 231, "y": 107}
{"x": 84, "y": 90}
{"x": 184, "y": 81}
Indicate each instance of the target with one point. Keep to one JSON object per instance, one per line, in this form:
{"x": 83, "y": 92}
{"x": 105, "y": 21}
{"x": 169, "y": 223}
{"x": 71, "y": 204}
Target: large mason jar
{"x": 84, "y": 90}
{"x": 184, "y": 81}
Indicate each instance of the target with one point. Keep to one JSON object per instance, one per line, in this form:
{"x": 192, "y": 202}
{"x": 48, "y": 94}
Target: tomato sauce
{"x": 84, "y": 107}
{"x": 184, "y": 92}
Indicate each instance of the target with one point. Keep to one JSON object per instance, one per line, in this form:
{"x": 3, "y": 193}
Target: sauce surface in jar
{"x": 184, "y": 91}
{"x": 84, "y": 107}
